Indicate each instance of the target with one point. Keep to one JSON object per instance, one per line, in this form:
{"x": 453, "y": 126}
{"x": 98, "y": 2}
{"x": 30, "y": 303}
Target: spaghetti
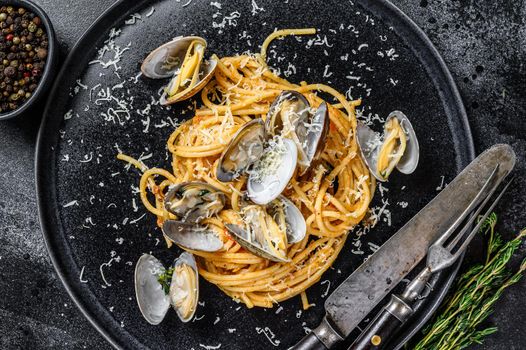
{"x": 333, "y": 194}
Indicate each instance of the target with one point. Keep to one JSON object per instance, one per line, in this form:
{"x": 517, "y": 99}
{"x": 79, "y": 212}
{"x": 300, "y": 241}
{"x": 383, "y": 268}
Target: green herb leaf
{"x": 457, "y": 324}
{"x": 165, "y": 279}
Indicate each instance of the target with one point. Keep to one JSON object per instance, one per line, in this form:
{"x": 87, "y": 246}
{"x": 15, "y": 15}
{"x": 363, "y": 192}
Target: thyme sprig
{"x": 476, "y": 292}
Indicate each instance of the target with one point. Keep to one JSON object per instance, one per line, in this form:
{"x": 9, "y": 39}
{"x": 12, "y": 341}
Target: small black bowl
{"x": 51, "y": 62}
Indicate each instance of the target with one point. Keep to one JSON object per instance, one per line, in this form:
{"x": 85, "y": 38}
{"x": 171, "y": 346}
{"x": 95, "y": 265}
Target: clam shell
{"x": 291, "y": 125}
{"x": 154, "y": 65}
{"x": 241, "y": 237}
{"x": 264, "y": 188}
{"x": 152, "y": 300}
{"x": 207, "y": 72}
{"x": 370, "y": 145}
{"x": 188, "y": 259}
{"x": 409, "y": 161}
{"x": 317, "y": 134}
{"x": 193, "y": 209}
{"x": 191, "y": 236}
{"x": 245, "y": 148}
{"x": 296, "y": 225}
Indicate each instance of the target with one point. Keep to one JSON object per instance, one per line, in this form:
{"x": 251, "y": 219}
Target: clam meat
{"x": 194, "y": 201}
{"x": 260, "y": 234}
{"x": 158, "y": 288}
{"x": 289, "y": 218}
{"x": 291, "y": 117}
{"x": 396, "y": 148}
{"x": 183, "y": 60}
{"x": 184, "y": 286}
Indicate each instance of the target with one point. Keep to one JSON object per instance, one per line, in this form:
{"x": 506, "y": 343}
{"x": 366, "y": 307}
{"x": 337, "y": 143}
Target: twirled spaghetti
{"x": 333, "y": 194}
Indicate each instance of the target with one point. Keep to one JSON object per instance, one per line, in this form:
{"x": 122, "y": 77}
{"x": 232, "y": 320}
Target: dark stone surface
{"x": 484, "y": 45}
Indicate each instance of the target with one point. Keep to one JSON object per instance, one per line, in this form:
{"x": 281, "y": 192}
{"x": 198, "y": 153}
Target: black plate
{"x": 86, "y": 209}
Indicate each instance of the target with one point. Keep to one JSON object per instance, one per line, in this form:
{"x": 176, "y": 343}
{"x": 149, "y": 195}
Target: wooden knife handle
{"x": 384, "y": 326}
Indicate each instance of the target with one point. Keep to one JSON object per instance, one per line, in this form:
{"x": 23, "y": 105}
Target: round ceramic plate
{"x": 94, "y": 224}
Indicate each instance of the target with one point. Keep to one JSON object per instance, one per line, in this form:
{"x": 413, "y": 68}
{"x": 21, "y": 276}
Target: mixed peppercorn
{"x": 23, "y": 53}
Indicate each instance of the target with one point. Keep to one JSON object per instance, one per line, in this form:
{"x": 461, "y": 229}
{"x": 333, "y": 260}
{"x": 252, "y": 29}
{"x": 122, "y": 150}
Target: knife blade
{"x": 350, "y": 303}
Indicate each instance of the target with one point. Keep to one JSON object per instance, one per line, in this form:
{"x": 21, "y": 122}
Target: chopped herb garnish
{"x": 165, "y": 279}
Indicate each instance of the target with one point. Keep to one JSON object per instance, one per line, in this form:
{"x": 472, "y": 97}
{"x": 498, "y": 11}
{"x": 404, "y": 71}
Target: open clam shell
{"x": 184, "y": 287}
{"x": 243, "y": 238}
{"x": 194, "y": 201}
{"x": 317, "y": 132}
{"x": 284, "y": 212}
{"x": 409, "y": 160}
{"x": 165, "y": 60}
{"x": 206, "y": 72}
{"x": 370, "y": 144}
{"x": 289, "y": 116}
{"x": 192, "y": 236}
{"x": 151, "y": 298}
{"x": 272, "y": 172}
{"x": 245, "y": 148}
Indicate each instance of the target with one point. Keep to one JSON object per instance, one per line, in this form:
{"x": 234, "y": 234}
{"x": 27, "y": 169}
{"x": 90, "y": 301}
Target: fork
{"x": 440, "y": 255}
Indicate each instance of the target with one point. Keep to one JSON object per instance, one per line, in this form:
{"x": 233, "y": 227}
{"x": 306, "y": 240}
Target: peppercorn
{"x": 23, "y": 53}
{"x": 10, "y": 71}
{"x": 32, "y": 27}
{"x": 41, "y": 53}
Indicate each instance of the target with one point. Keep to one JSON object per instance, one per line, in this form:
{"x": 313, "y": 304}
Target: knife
{"x": 357, "y": 296}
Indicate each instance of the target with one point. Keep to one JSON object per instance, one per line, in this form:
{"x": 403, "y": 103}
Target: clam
{"x": 245, "y": 148}
{"x": 153, "y": 301}
{"x": 405, "y": 159}
{"x": 289, "y": 218}
{"x": 194, "y": 201}
{"x": 192, "y": 236}
{"x": 184, "y": 287}
{"x": 290, "y": 116}
{"x": 183, "y": 60}
{"x": 154, "y": 298}
{"x": 271, "y": 174}
{"x": 257, "y": 236}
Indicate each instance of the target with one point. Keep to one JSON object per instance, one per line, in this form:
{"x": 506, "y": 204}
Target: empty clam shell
{"x": 151, "y": 298}
{"x": 194, "y": 201}
{"x": 245, "y": 148}
{"x": 273, "y": 171}
{"x": 284, "y": 212}
{"x": 165, "y": 60}
{"x": 184, "y": 287}
{"x": 371, "y": 142}
{"x": 192, "y": 236}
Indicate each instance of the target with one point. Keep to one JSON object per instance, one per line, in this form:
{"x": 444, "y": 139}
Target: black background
{"x": 484, "y": 46}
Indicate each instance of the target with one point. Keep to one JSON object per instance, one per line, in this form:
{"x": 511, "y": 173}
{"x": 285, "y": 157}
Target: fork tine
{"x": 468, "y": 239}
{"x": 442, "y": 239}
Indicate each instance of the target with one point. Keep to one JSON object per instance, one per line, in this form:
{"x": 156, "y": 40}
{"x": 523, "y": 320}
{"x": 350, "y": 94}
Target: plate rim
{"x": 47, "y": 214}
